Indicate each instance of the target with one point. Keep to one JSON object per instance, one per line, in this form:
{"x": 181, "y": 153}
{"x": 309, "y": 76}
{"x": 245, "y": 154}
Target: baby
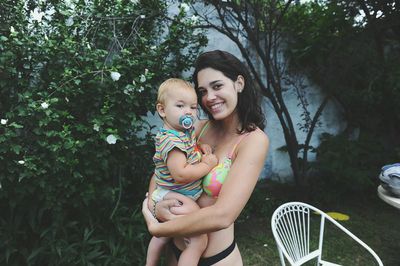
{"x": 179, "y": 165}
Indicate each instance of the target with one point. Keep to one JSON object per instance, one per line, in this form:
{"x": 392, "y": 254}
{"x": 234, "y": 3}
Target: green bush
{"x": 349, "y": 167}
{"x": 76, "y": 77}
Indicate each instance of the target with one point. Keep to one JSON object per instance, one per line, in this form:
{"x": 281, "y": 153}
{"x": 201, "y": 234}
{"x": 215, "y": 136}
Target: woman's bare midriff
{"x": 217, "y": 241}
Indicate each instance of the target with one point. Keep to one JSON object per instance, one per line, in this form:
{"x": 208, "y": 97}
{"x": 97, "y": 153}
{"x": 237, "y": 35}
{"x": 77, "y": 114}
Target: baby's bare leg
{"x": 196, "y": 245}
{"x": 155, "y": 249}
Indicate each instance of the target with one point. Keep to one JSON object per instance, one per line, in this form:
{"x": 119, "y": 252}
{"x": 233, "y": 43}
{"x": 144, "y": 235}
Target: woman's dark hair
{"x": 249, "y": 100}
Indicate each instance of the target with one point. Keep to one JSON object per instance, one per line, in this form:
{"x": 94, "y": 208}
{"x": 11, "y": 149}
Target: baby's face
{"x": 178, "y": 102}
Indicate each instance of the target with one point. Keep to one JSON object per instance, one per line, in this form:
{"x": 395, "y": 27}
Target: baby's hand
{"x": 210, "y": 159}
{"x": 205, "y": 148}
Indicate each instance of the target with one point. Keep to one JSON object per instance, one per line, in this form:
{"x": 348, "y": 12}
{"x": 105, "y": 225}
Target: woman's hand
{"x": 162, "y": 210}
{"x": 148, "y": 216}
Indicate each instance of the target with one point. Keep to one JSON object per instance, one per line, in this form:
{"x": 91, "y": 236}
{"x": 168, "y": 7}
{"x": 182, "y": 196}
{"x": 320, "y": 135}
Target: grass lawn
{"x": 372, "y": 220}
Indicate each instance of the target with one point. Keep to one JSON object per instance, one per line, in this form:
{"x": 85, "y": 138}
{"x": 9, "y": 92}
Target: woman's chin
{"x": 219, "y": 114}
{"x": 222, "y": 115}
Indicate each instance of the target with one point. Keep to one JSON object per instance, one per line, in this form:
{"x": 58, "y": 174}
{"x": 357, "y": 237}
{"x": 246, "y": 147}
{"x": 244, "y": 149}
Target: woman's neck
{"x": 229, "y": 125}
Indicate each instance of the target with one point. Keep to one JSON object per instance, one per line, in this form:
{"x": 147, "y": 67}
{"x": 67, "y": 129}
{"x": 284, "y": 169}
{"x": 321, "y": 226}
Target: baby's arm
{"x": 183, "y": 172}
{"x": 205, "y": 148}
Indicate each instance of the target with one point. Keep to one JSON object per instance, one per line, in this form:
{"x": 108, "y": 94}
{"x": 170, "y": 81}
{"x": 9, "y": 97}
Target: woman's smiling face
{"x": 219, "y": 94}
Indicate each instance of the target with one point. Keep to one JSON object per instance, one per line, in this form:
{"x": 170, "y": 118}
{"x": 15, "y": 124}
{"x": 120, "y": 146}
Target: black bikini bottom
{"x": 210, "y": 260}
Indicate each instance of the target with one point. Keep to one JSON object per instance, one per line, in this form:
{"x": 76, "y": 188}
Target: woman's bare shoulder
{"x": 256, "y": 141}
{"x": 257, "y": 136}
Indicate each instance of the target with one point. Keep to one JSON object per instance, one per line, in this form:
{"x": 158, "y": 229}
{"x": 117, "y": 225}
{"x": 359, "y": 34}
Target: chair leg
{"x": 281, "y": 257}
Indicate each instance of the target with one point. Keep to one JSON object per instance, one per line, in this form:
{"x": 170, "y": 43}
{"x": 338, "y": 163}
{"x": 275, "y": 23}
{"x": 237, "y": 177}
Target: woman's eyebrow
{"x": 212, "y": 83}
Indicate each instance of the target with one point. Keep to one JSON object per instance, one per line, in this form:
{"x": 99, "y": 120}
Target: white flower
{"x": 142, "y": 16}
{"x": 133, "y": 82}
{"x": 185, "y": 7}
{"x": 21, "y": 162}
{"x": 96, "y": 127}
{"x": 115, "y": 75}
{"x": 360, "y": 18}
{"x": 45, "y": 37}
{"x": 194, "y": 18}
{"x": 3, "y": 121}
{"x": 128, "y": 89}
{"x": 50, "y": 11}
{"x": 12, "y": 30}
{"x": 70, "y": 4}
{"x": 111, "y": 139}
{"x": 69, "y": 22}
{"x": 44, "y": 105}
{"x": 142, "y": 78}
{"x": 146, "y": 71}
{"x": 134, "y": 2}
{"x": 37, "y": 15}
{"x": 140, "y": 89}
{"x": 153, "y": 47}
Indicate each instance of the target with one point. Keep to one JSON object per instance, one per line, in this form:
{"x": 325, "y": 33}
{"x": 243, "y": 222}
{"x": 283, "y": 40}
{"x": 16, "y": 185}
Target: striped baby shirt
{"x": 165, "y": 141}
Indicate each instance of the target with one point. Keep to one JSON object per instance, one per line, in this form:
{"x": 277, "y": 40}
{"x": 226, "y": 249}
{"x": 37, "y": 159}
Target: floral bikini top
{"x": 214, "y": 180}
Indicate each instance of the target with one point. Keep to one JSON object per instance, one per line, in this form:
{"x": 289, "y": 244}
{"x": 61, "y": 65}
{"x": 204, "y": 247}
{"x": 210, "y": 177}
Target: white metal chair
{"x": 291, "y": 224}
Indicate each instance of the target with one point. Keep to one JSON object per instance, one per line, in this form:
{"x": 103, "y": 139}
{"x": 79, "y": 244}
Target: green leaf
{"x": 16, "y": 148}
{"x": 33, "y": 254}
{"x": 9, "y": 251}
{"x": 15, "y": 125}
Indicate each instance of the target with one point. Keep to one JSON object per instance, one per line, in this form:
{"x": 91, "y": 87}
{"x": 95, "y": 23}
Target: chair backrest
{"x": 292, "y": 229}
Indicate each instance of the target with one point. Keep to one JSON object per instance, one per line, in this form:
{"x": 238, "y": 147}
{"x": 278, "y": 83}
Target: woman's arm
{"x": 152, "y": 187}
{"x": 235, "y": 193}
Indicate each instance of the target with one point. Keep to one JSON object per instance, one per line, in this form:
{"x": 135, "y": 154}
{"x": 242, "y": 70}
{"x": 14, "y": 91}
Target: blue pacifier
{"x": 186, "y": 121}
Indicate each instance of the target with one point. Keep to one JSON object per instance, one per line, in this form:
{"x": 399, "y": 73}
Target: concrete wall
{"x": 277, "y": 165}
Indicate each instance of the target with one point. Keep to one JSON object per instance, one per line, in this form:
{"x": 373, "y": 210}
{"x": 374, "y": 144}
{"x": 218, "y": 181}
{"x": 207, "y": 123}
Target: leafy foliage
{"x": 351, "y": 51}
{"x": 351, "y": 56}
{"x": 76, "y": 77}
{"x": 349, "y": 167}
{"x": 257, "y": 28}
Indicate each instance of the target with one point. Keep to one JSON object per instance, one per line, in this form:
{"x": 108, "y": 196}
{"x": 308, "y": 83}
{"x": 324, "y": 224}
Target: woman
{"x": 234, "y": 131}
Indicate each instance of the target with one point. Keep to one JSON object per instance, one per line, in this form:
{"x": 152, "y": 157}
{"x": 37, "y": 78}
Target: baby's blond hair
{"x": 170, "y": 84}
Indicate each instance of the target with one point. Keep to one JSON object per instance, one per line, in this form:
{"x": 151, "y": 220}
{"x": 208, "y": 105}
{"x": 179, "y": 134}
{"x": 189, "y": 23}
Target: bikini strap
{"x": 236, "y": 144}
{"x": 203, "y": 129}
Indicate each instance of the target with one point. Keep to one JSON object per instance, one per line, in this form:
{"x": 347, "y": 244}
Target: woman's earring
{"x": 240, "y": 88}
